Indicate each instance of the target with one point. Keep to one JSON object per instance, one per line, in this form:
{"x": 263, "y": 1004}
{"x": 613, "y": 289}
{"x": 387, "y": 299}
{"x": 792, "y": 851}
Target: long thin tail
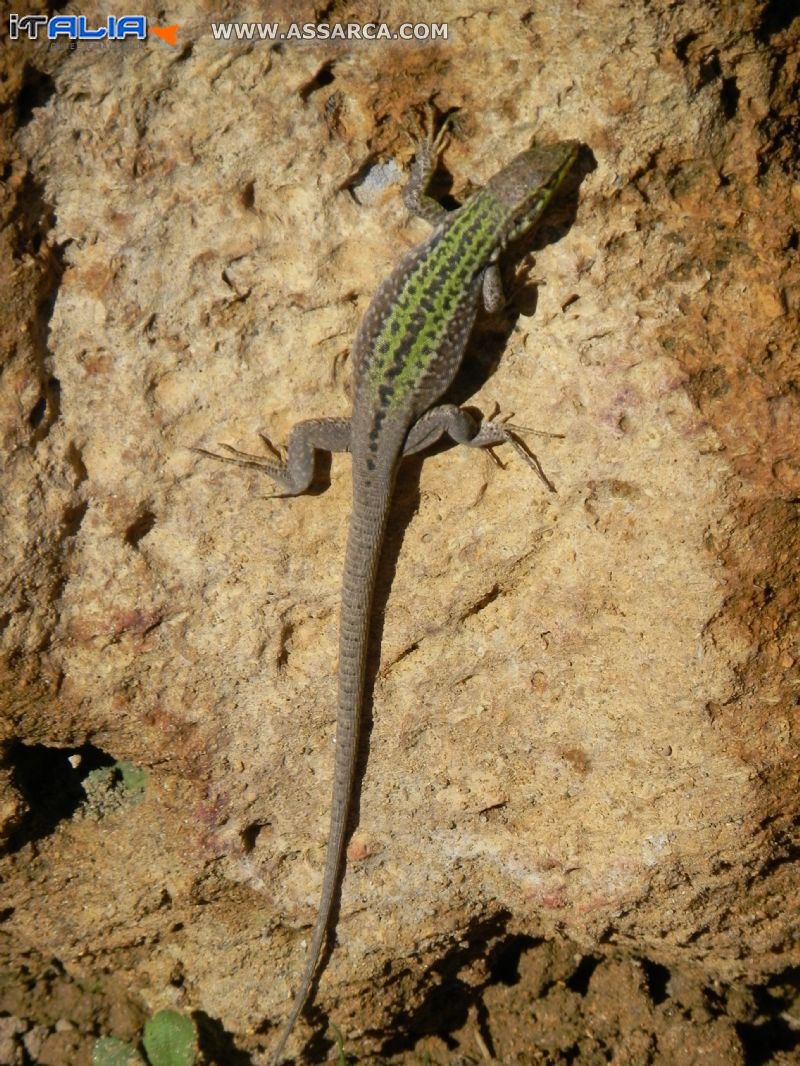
{"x": 364, "y": 542}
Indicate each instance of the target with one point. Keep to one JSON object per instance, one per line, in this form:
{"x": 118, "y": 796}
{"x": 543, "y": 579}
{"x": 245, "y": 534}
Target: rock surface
{"x": 580, "y": 779}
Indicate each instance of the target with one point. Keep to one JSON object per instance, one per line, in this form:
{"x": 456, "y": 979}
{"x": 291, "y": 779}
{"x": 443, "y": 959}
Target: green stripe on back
{"x": 405, "y": 348}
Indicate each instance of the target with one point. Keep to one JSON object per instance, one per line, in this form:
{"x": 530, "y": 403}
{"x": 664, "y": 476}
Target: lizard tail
{"x": 371, "y": 503}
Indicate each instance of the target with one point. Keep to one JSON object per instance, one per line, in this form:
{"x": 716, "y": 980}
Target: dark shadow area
{"x": 449, "y": 998}
{"x": 140, "y": 527}
{"x": 216, "y": 1044}
{"x": 45, "y": 412}
{"x": 776, "y": 16}
{"x": 72, "y": 520}
{"x": 657, "y": 978}
{"x": 578, "y": 981}
{"x": 37, "y": 88}
{"x": 49, "y": 784}
{"x": 504, "y": 958}
{"x": 322, "y": 79}
{"x": 30, "y": 220}
{"x": 491, "y": 333}
{"x": 774, "y": 1029}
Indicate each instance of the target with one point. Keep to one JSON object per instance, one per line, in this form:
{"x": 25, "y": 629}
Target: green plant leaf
{"x": 337, "y": 1035}
{"x": 108, "y": 1051}
{"x": 134, "y": 779}
{"x": 170, "y": 1039}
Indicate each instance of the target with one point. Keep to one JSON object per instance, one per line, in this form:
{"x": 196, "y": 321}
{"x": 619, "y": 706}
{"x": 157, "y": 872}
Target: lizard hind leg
{"x": 295, "y": 473}
{"x": 463, "y": 428}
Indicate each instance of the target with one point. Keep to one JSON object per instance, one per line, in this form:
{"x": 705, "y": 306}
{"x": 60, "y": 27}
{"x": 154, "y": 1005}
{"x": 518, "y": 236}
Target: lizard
{"x": 407, "y": 350}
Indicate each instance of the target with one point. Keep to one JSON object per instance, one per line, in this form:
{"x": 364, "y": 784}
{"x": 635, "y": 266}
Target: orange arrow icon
{"x": 166, "y": 33}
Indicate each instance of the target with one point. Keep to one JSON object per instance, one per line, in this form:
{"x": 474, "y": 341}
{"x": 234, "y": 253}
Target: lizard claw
{"x": 422, "y": 131}
{"x": 271, "y": 447}
{"x": 510, "y": 434}
{"x": 436, "y": 140}
{"x": 527, "y": 456}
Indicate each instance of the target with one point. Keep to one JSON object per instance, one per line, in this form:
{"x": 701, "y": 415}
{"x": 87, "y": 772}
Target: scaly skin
{"x": 407, "y": 351}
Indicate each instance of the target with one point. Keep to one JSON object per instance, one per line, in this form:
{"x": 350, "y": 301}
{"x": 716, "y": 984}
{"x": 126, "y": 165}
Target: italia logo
{"x": 76, "y": 28}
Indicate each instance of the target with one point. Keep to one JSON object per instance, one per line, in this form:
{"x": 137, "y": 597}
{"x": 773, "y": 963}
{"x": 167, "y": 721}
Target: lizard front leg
{"x": 294, "y": 474}
{"x": 492, "y": 289}
{"x": 429, "y": 147}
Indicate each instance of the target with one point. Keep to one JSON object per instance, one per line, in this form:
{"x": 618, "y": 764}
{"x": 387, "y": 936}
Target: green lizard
{"x": 407, "y": 350}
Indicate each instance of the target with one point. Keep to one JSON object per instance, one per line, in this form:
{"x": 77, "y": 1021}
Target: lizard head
{"x": 525, "y": 187}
